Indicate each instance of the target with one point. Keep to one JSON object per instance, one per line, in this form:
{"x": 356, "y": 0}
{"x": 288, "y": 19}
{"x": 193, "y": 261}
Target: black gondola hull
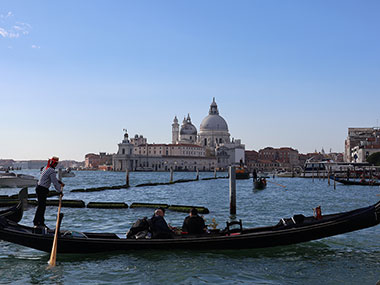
{"x": 351, "y": 182}
{"x": 278, "y": 235}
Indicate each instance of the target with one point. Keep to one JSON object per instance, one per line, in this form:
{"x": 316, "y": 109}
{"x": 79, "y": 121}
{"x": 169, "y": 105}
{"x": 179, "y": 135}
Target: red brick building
{"x": 93, "y": 161}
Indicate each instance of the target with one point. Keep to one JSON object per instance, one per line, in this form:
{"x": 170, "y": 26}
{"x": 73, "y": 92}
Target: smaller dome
{"x": 187, "y": 127}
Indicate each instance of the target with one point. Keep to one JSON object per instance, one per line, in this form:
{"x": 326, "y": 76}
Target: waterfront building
{"x": 92, "y": 160}
{"x": 213, "y": 136}
{"x": 210, "y": 149}
{"x": 359, "y": 137}
{"x": 161, "y": 157}
{"x": 361, "y": 153}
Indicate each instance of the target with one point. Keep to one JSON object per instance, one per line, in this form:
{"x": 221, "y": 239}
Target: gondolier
{"x": 48, "y": 176}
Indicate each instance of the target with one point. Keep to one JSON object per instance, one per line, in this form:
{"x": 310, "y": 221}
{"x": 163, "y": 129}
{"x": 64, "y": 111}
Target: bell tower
{"x": 175, "y": 131}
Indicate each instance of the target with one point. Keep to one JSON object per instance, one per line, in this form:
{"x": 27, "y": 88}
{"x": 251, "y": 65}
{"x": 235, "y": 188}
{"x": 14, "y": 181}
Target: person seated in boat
{"x": 48, "y": 176}
{"x": 362, "y": 180}
{"x": 158, "y": 225}
{"x": 193, "y": 223}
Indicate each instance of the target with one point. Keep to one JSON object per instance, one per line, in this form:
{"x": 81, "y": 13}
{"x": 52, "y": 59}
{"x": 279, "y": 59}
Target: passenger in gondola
{"x": 194, "y": 224}
{"x": 48, "y": 176}
{"x": 158, "y": 225}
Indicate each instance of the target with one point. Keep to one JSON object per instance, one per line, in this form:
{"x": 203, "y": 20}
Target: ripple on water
{"x": 345, "y": 259}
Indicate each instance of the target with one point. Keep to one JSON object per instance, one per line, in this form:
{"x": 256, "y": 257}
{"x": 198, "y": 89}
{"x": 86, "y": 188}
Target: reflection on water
{"x": 350, "y": 258}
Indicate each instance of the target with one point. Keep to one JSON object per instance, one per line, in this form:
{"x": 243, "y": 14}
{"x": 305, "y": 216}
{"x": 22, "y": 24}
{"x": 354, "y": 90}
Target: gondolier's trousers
{"x": 39, "y": 218}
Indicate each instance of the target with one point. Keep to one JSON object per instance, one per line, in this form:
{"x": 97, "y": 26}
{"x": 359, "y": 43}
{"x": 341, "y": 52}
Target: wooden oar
{"x": 277, "y": 184}
{"x": 53, "y": 255}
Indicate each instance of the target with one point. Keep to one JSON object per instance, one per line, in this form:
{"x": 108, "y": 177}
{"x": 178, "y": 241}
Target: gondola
{"x": 260, "y": 183}
{"x": 16, "y": 212}
{"x": 353, "y": 182}
{"x": 288, "y": 231}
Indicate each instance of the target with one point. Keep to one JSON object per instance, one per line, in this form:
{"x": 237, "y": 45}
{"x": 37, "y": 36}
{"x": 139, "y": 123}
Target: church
{"x": 213, "y": 136}
{"x": 210, "y": 149}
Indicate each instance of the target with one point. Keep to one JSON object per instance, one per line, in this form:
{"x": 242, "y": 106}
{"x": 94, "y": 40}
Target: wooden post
{"x": 215, "y": 173}
{"x": 328, "y": 176}
{"x": 312, "y": 173}
{"x": 197, "y": 178}
{"x": 232, "y": 175}
{"x": 127, "y": 177}
{"x": 334, "y": 181}
{"x": 318, "y": 173}
{"x": 171, "y": 175}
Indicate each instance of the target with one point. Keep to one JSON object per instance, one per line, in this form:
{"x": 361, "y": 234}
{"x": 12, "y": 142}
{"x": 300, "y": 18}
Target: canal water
{"x": 352, "y": 258}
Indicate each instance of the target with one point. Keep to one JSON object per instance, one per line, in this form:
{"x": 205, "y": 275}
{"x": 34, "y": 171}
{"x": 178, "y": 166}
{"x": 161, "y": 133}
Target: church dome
{"x": 213, "y": 122}
{"x": 188, "y": 128}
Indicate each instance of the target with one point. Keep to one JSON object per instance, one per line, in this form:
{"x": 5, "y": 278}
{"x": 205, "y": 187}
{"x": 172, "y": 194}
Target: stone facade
{"x": 162, "y": 157}
{"x": 359, "y": 137}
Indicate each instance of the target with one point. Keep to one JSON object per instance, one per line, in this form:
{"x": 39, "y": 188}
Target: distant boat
{"x": 242, "y": 172}
{"x": 67, "y": 173}
{"x": 354, "y": 182}
{"x": 287, "y": 174}
{"x": 321, "y": 169}
{"x": 13, "y": 180}
{"x": 260, "y": 183}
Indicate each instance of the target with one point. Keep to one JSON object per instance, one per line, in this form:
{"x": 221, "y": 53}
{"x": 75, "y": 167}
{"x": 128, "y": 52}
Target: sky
{"x": 74, "y": 74}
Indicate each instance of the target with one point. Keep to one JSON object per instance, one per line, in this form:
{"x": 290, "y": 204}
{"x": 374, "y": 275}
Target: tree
{"x": 374, "y": 159}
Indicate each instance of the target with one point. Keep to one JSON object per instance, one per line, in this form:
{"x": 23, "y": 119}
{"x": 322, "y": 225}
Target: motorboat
{"x": 67, "y": 172}
{"x": 242, "y": 172}
{"x": 15, "y": 180}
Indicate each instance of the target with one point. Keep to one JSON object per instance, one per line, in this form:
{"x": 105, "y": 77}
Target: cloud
{"x": 37, "y": 47}
{"x": 9, "y": 14}
{"x": 13, "y": 30}
{"x": 3, "y": 33}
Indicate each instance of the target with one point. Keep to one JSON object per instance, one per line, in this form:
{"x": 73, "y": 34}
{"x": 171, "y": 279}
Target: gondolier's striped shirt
{"x": 48, "y": 176}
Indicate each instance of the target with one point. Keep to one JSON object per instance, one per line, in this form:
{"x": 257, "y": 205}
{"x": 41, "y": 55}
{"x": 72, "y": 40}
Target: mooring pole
{"x": 328, "y": 177}
{"x": 215, "y": 173}
{"x": 197, "y": 178}
{"x": 232, "y": 175}
{"x": 319, "y": 178}
{"x": 313, "y": 173}
{"x": 334, "y": 181}
{"x": 127, "y": 177}
{"x": 171, "y": 174}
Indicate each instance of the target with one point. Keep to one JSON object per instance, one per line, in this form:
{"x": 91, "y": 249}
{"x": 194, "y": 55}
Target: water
{"x": 345, "y": 259}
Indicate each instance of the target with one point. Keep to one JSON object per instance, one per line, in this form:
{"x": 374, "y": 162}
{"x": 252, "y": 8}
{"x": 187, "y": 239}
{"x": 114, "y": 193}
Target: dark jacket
{"x": 160, "y": 228}
{"x": 194, "y": 225}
